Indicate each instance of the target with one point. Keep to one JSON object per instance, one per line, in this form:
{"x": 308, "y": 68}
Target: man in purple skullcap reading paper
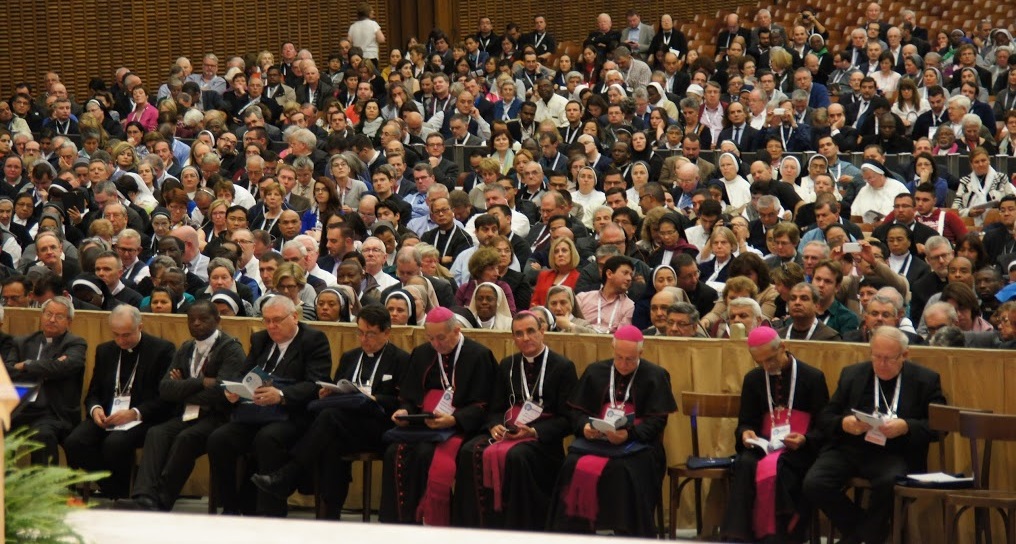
{"x": 619, "y": 411}
{"x": 777, "y": 440}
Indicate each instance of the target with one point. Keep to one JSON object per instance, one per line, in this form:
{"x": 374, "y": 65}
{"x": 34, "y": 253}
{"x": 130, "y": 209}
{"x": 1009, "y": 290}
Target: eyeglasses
{"x": 127, "y": 249}
{"x": 291, "y": 287}
{"x": 50, "y": 316}
{"x": 371, "y": 250}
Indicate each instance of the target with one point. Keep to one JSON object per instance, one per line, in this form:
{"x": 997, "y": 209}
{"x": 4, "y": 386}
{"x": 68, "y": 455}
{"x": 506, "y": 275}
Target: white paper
{"x": 239, "y": 388}
{"x": 605, "y": 426}
{"x": 764, "y": 444}
{"x": 344, "y": 386}
{"x": 872, "y": 420}
{"x": 939, "y": 478}
{"x": 126, "y": 426}
{"x": 985, "y": 205}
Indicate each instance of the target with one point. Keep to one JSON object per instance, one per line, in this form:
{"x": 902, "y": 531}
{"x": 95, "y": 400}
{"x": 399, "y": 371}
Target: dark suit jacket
{"x": 750, "y": 141}
{"x": 924, "y": 122}
{"x": 308, "y": 359}
{"x": 757, "y": 236}
{"x": 324, "y": 91}
{"x": 474, "y": 378}
{"x": 559, "y": 380}
{"x": 225, "y": 361}
{"x": 447, "y": 173}
{"x": 861, "y": 336}
{"x": 855, "y": 390}
{"x": 921, "y": 233}
{"x": 822, "y": 332}
{"x": 60, "y": 368}
{"x": 298, "y": 203}
{"x": 387, "y": 378}
{"x": 154, "y": 355}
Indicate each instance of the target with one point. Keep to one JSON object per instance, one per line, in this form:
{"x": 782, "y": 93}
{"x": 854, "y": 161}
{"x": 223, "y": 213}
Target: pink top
{"x": 149, "y": 117}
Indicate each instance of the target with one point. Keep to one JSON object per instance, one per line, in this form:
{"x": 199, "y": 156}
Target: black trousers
{"x": 270, "y": 444}
{"x": 171, "y": 448}
{"x": 49, "y": 431}
{"x": 824, "y": 487}
{"x": 93, "y": 448}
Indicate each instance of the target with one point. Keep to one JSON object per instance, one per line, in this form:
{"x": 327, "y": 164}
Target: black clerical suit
{"x": 632, "y": 480}
{"x": 810, "y": 396}
{"x": 407, "y": 464}
{"x": 340, "y": 431}
{"x": 307, "y": 360}
{"x": 531, "y": 466}
{"x": 139, "y": 370}
{"x": 60, "y": 366}
{"x": 172, "y": 447}
{"x": 846, "y": 455}
{"x": 448, "y": 243}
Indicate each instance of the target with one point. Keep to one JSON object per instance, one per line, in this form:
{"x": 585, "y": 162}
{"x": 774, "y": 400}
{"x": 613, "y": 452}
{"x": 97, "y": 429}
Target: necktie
{"x": 737, "y": 137}
{"x": 273, "y": 360}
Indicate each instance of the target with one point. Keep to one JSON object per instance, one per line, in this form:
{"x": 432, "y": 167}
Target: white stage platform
{"x": 117, "y": 527}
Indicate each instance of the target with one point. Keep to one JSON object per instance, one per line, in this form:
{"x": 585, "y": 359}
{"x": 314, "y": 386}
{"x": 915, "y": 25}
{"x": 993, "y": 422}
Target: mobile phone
{"x": 851, "y": 247}
{"x": 779, "y": 111}
{"x": 511, "y": 429}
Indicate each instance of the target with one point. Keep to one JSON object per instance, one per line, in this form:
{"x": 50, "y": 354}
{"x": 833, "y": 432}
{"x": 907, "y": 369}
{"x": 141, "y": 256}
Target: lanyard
{"x": 811, "y": 331}
{"x": 538, "y": 40}
{"x": 377, "y": 363}
{"x": 717, "y": 268}
{"x": 544, "y": 234}
{"x": 445, "y": 383}
{"x": 448, "y": 242}
{"x": 268, "y": 227}
{"x": 896, "y": 395}
{"x": 613, "y": 314}
{"x": 905, "y": 267}
{"x": 130, "y": 382}
{"x": 627, "y": 392}
{"x": 538, "y": 386}
{"x": 790, "y": 400}
{"x": 200, "y": 358}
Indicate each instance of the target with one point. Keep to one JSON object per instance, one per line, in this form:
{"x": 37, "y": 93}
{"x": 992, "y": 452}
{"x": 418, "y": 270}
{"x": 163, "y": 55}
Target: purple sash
{"x": 581, "y": 498}
{"x": 494, "y": 459}
{"x": 435, "y": 508}
{"x": 764, "y": 518}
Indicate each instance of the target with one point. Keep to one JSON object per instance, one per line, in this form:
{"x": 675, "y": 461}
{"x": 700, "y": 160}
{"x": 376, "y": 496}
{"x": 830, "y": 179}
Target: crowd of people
{"x": 587, "y": 202}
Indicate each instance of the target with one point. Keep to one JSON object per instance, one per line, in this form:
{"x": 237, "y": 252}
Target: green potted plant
{"x": 38, "y": 498}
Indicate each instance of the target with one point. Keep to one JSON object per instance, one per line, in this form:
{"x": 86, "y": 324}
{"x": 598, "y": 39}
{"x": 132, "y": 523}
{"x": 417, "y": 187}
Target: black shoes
{"x": 274, "y": 484}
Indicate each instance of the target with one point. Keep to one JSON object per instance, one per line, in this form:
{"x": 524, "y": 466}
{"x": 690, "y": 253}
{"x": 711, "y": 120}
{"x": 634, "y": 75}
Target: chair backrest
{"x": 945, "y": 419}
{"x": 987, "y": 427}
{"x": 696, "y": 405}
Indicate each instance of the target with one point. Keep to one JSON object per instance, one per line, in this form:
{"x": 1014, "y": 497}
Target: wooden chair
{"x": 366, "y": 461}
{"x": 982, "y": 499}
{"x": 697, "y": 405}
{"x": 942, "y": 419}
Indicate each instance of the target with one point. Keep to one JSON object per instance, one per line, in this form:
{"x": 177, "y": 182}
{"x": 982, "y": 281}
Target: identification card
{"x": 614, "y": 414}
{"x": 529, "y": 413}
{"x": 191, "y": 412}
{"x": 875, "y": 437}
{"x": 445, "y": 406}
{"x": 777, "y": 434}
{"x": 120, "y": 404}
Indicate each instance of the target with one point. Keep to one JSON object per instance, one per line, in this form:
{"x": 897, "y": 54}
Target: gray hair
{"x": 221, "y": 262}
{"x": 960, "y": 100}
{"x": 936, "y": 242}
{"x": 891, "y": 301}
{"x": 409, "y": 254}
{"x": 892, "y": 333}
{"x": 126, "y": 310}
{"x": 63, "y": 301}
{"x": 304, "y": 136}
{"x": 295, "y": 244}
{"x": 944, "y": 308}
{"x": 747, "y": 302}
{"x": 821, "y": 245}
{"x": 684, "y": 308}
{"x": 287, "y": 305}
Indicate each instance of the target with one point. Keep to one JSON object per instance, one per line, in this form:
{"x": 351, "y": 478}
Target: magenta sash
{"x": 764, "y": 518}
{"x": 494, "y": 460}
{"x": 435, "y": 507}
{"x": 581, "y": 498}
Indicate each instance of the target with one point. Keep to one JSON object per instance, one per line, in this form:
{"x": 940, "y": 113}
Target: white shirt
{"x": 384, "y": 281}
{"x": 553, "y": 110}
{"x": 871, "y": 202}
{"x": 323, "y": 275}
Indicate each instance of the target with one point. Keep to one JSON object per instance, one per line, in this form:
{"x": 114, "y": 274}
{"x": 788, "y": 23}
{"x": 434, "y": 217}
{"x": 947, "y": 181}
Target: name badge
{"x": 120, "y": 404}
{"x": 529, "y": 413}
{"x": 614, "y": 414}
{"x": 931, "y": 133}
{"x": 445, "y": 406}
{"x": 875, "y": 437}
{"x": 777, "y": 434}
{"x": 191, "y": 412}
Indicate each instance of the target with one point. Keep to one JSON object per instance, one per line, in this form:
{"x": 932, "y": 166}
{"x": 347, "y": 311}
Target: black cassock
{"x": 530, "y": 466}
{"x": 407, "y": 464}
{"x": 629, "y": 486}
{"x": 810, "y": 396}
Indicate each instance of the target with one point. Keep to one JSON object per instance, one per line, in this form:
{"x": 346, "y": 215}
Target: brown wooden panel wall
{"x": 81, "y": 39}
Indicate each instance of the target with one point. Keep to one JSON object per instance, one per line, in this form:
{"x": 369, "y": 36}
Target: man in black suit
{"x": 296, "y": 356}
{"x": 345, "y": 426}
{"x": 856, "y": 111}
{"x": 55, "y": 358}
{"x": 459, "y": 127}
{"x": 927, "y": 123}
{"x": 193, "y": 389}
{"x": 457, "y": 396}
{"x": 898, "y": 391}
{"x": 313, "y": 90}
{"x": 904, "y": 214}
{"x": 123, "y": 401}
{"x": 525, "y": 126}
{"x": 408, "y": 264}
{"x": 739, "y": 131}
{"x": 881, "y": 311}
{"x": 445, "y": 171}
